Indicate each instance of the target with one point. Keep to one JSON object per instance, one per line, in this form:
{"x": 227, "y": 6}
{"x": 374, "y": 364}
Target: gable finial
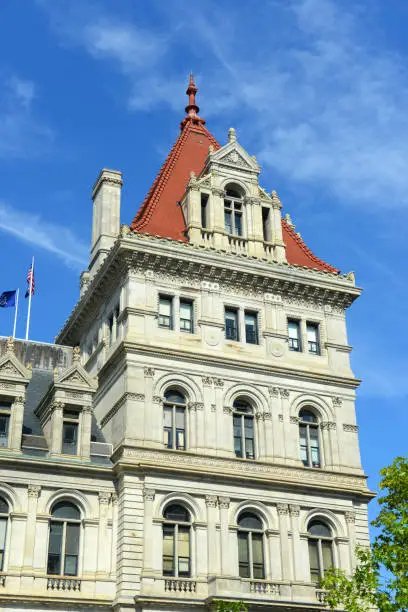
{"x": 232, "y": 135}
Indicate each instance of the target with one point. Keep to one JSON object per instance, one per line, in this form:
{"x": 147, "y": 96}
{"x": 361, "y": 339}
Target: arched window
{"x": 63, "y": 547}
{"x": 233, "y": 210}
{"x": 243, "y": 419}
{"x": 250, "y": 546}
{"x": 309, "y": 438}
{"x": 174, "y": 413}
{"x": 4, "y": 514}
{"x": 320, "y": 549}
{"x": 176, "y": 541}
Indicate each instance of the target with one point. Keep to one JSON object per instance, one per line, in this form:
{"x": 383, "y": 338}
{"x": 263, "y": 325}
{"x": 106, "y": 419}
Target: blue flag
{"x": 8, "y": 299}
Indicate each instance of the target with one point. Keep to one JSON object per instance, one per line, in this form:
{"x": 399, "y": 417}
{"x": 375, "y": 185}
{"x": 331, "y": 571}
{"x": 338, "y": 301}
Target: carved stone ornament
{"x": 280, "y": 417}
{"x": 87, "y": 409}
{"x": 137, "y": 397}
{"x": 19, "y": 400}
{"x": 218, "y": 382}
{"x": 350, "y": 428}
{"x": 224, "y": 502}
{"x": 57, "y": 405}
{"x": 282, "y": 509}
{"x": 337, "y": 401}
{"x": 274, "y": 391}
{"x": 211, "y": 501}
{"x": 213, "y": 408}
{"x": 104, "y": 497}
{"x": 235, "y": 159}
{"x": 294, "y": 419}
{"x": 328, "y": 425}
{"x": 218, "y": 192}
{"x": 10, "y": 345}
{"x": 294, "y": 510}
{"x": 276, "y": 203}
{"x": 148, "y": 494}
{"x": 76, "y": 354}
{"x": 8, "y": 369}
{"x": 157, "y": 399}
{"x": 267, "y": 416}
{"x": 284, "y": 393}
{"x": 227, "y": 410}
{"x": 34, "y": 490}
{"x": 124, "y": 230}
{"x": 350, "y": 516}
{"x": 149, "y": 372}
{"x": 196, "y": 406}
{"x": 207, "y": 381}
{"x": 115, "y": 499}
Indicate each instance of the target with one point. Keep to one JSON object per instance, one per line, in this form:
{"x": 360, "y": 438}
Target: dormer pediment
{"x": 232, "y": 156}
{"x": 75, "y": 376}
{"x": 12, "y": 368}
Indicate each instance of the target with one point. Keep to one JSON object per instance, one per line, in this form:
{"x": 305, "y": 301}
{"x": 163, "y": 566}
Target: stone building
{"x": 191, "y": 436}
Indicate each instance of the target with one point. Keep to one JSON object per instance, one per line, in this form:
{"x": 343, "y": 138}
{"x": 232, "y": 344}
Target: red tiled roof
{"x": 160, "y": 213}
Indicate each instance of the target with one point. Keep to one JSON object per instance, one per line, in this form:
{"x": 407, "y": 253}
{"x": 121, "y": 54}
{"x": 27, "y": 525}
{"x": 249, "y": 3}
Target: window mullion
{"x": 243, "y": 436}
{"x": 309, "y": 447}
{"x": 250, "y": 556}
{"x": 175, "y": 550}
{"x": 173, "y": 427}
{"x": 320, "y": 554}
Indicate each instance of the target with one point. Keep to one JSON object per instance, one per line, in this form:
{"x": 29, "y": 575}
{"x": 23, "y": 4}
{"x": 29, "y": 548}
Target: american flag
{"x": 30, "y": 281}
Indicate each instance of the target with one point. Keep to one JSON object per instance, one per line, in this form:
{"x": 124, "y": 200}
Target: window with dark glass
{"x": 313, "y": 344}
{"x": 204, "y": 210}
{"x": 186, "y": 316}
{"x": 309, "y": 439}
{"x": 231, "y": 324}
{"x": 243, "y": 423}
{"x": 251, "y": 327}
{"x": 176, "y": 541}
{"x": 5, "y": 411}
{"x": 166, "y": 311}
{"x": 4, "y": 515}
{"x": 174, "y": 413}
{"x": 320, "y": 541}
{"x": 233, "y": 208}
{"x": 250, "y": 546}
{"x": 70, "y": 428}
{"x": 294, "y": 335}
{"x": 266, "y": 228}
{"x": 63, "y": 546}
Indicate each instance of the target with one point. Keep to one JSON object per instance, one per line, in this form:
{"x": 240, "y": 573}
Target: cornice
{"x": 255, "y": 472}
{"x": 187, "y": 261}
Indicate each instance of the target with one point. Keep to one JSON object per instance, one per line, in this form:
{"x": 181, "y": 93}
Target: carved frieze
{"x": 149, "y": 372}
{"x": 350, "y": 428}
{"x": 329, "y": 425}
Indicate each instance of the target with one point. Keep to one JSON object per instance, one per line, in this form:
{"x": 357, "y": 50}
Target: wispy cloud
{"x": 51, "y": 237}
{"x": 22, "y": 133}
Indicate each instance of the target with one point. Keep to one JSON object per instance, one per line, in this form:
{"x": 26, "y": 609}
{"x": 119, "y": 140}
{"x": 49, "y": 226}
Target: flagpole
{"x": 29, "y": 298}
{"x": 15, "y": 314}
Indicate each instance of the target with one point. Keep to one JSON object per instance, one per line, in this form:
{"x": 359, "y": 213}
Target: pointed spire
{"x": 192, "y": 109}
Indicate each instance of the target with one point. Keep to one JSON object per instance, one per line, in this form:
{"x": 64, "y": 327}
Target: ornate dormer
{"x": 66, "y": 411}
{"x": 14, "y": 379}
{"x": 225, "y": 208}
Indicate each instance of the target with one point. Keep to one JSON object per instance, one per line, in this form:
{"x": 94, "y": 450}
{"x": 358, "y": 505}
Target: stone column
{"x": 290, "y": 436}
{"x": 259, "y": 436}
{"x": 274, "y": 552}
{"x": 220, "y": 237}
{"x": 103, "y": 550}
{"x": 113, "y": 552}
{"x": 33, "y": 492}
{"x": 268, "y": 433}
{"x": 191, "y": 416}
{"x": 210, "y": 414}
{"x": 278, "y": 430}
{"x": 224, "y": 504}
{"x": 148, "y": 496}
{"x": 328, "y": 433}
{"x": 86, "y": 426}
{"x": 277, "y": 236}
{"x": 57, "y": 417}
{"x": 350, "y": 517}
{"x": 283, "y": 514}
{"x": 16, "y": 429}
{"x": 212, "y": 541}
{"x": 294, "y": 512}
{"x": 148, "y": 401}
{"x": 176, "y": 313}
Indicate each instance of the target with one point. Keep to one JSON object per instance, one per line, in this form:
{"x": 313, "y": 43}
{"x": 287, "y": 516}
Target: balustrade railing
{"x": 64, "y": 584}
{"x": 177, "y": 585}
{"x": 264, "y": 588}
{"x": 238, "y": 245}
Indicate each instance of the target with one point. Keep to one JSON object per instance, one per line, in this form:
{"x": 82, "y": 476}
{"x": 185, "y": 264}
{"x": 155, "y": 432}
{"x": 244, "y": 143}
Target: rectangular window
{"x": 266, "y": 224}
{"x": 228, "y": 220}
{"x": 168, "y": 429}
{"x": 243, "y": 555}
{"x": 237, "y": 424}
{"x": 304, "y": 452}
{"x": 54, "y": 549}
{"x": 186, "y": 316}
{"x": 249, "y": 437}
{"x": 204, "y": 210}
{"x": 231, "y": 324}
{"x": 314, "y": 446}
{"x": 251, "y": 327}
{"x": 71, "y": 549}
{"x": 183, "y": 551}
{"x": 314, "y": 561}
{"x": 294, "y": 335}
{"x": 257, "y": 556}
{"x": 69, "y": 438}
{"x": 238, "y": 221}
{"x": 313, "y": 344}
{"x": 4, "y": 429}
{"x": 3, "y": 531}
{"x": 180, "y": 429}
{"x": 166, "y": 312}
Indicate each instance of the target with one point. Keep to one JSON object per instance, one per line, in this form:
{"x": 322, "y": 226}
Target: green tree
{"x": 230, "y": 606}
{"x": 381, "y": 576}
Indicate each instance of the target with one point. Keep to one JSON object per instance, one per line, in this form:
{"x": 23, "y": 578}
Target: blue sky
{"x": 316, "y": 89}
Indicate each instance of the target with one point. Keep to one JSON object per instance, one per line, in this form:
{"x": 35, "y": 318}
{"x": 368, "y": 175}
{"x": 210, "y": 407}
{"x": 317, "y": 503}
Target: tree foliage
{"x": 230, "y": 606}
{"x": 381, "y": 576}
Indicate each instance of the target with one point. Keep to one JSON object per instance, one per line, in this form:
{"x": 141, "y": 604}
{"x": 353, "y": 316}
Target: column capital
{"x": 224, "y": 502}
{"x": 104, "y": 497}
{"x": 148, "y": 494}
{"x": 350, "y": 516}
{"x": 294, "y": 510}
{"x": 149, "y": 372}
{"x": 211, "y": 501}
{"x": 283, "y": 509}
{"x": 34, "y": 490}
{"x": 57, "y": 405}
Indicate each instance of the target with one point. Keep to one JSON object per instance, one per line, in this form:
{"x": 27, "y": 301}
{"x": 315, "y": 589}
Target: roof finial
{"x": 192, "y": 108}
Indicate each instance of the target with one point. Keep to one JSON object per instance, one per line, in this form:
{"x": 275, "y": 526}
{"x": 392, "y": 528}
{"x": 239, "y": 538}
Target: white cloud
{"x": 54, "y": 238}
{"x": 22, "y": 134}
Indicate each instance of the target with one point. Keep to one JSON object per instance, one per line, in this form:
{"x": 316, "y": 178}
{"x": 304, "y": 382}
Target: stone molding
{"x": 118, "y": 405}
{"x": 195, "y": 406}
{"x": 252, "y": 469}
{"x": 329, "y": 425}
{"x": 34, "y": 490}
{"x": 350, "y": 428}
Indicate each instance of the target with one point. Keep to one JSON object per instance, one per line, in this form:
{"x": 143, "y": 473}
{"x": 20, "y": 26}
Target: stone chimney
{"x": 106, "y": 216}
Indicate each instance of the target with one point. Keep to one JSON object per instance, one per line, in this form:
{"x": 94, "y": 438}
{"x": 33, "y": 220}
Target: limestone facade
{"x": 139, "y": 452}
